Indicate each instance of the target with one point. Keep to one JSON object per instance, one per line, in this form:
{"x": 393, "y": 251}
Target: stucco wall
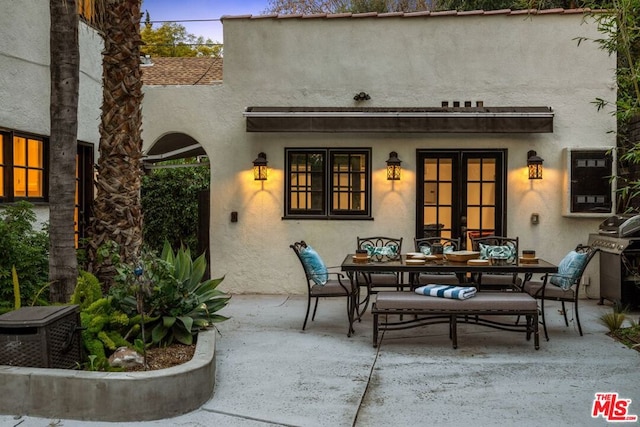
{"x": 401, "y": 62}
{"x": 25, "y": 83}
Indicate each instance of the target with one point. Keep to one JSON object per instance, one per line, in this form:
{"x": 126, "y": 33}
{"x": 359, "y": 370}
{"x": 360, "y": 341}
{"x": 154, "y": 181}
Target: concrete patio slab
{"x": 269, "y": 372}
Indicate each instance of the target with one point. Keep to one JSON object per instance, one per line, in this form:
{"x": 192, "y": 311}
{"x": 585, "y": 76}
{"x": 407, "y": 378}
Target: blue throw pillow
{"x": 314, "y": 265}
{"x": 389, "y": 251}
{"x": 569, "y": 269}
{"x": 506, "y": 251}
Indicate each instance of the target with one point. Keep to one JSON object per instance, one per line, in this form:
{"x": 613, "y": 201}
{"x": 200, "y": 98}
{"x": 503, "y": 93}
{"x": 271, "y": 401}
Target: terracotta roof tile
{"x": 182, "y": 71}
{"x": 416, "y": 14}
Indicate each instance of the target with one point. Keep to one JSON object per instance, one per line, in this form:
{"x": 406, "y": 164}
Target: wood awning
{"x": 400, "y": 120}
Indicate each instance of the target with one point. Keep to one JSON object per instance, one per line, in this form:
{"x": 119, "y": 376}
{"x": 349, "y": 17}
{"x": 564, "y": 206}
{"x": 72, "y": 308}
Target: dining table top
{"x": 444, "y": 265}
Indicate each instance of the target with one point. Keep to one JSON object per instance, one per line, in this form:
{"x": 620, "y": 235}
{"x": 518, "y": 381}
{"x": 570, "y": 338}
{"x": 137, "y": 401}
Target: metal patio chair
{"x": 324, "y": 284}
{"x": 563, "y": 286}
{"x": 497, "y": 281}
{"x": 448, "y": 244}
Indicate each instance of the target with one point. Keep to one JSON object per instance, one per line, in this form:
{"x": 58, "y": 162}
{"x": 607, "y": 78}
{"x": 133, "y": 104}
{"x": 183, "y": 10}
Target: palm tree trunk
{"x": 65, "y": 75}
{"x": 117, "y": 221}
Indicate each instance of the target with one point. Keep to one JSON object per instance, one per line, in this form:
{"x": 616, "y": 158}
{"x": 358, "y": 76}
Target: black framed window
{"x": 328, "y": 183}
{"x": 591, "y": 185}
{"x": 23, "y": 167}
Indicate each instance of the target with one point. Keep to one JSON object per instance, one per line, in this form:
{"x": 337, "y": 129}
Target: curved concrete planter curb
{"x": 111, "y": 396}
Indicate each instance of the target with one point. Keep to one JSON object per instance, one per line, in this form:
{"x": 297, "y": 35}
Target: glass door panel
{"x": 462, "y": 193}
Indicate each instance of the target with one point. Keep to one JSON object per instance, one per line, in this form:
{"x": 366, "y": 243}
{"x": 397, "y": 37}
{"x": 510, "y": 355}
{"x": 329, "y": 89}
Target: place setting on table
{"x": 486, "y": 260}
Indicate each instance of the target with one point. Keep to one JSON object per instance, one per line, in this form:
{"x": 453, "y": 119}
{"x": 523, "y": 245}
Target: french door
{"x": 461, "y": 193}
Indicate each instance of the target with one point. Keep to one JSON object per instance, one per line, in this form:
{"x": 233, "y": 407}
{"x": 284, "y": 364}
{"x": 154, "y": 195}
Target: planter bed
{"x": 111, "y": 396}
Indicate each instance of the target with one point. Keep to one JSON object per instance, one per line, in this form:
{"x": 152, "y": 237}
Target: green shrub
{"x": 26, "y": 249}
{"x": 170, "y": 205}
{"x": 615, "y": 318}
{"x": 174, "y": 293}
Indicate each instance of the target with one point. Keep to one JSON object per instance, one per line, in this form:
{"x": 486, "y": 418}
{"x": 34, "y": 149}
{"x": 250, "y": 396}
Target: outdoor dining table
{"x": 462, "y": 269}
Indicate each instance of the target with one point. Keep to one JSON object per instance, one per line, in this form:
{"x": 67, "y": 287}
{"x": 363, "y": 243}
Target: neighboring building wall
{"x": 25, "y": 83}
{"x": 503, "y": 60}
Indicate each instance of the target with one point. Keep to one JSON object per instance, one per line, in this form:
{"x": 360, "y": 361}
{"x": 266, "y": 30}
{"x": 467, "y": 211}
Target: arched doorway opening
{"x": 174, "y": 151}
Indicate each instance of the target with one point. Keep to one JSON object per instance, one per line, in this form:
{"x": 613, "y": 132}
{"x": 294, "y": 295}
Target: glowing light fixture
{"x": 260, "y": 167}
{"x": 534, "y": 163}
{"x": 393, "y": 167}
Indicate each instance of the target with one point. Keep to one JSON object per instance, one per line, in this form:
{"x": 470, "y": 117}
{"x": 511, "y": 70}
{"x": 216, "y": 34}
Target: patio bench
{"x": 418, "y": 310}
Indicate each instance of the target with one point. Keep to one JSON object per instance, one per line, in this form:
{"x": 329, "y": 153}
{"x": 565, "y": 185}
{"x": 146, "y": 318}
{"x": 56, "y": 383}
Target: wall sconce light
{"x": 362, "y": 96}
{"x": 534, "y": 163}
{"x": 393, "y": 167}
{"x": 260, "y": 167}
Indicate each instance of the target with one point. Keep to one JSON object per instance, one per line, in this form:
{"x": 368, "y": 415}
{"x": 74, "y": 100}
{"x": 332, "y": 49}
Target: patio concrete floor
{"x": 270, "y": 373}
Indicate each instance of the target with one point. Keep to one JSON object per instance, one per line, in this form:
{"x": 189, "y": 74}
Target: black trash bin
{"x": 433, "y": 230}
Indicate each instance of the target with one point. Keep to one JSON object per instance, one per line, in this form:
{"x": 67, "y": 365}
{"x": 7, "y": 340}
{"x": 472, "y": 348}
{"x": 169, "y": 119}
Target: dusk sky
{"x": 178, "y": 10}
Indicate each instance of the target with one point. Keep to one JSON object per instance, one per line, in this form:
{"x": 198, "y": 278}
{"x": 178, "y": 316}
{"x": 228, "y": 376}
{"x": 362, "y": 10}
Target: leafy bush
{"x": 177, "y": 302}
{"x": 105, "y": 328}
{"x": 26, "y": 249}
{"x": 170, "y": 205}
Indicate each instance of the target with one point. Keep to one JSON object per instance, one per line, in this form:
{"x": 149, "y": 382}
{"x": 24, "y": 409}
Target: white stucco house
{"x": 462, "y": 98}
{"x": 25, "y": 99}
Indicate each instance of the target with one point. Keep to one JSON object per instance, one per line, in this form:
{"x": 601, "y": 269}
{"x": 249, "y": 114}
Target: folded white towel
{"x": 447, "y": 291}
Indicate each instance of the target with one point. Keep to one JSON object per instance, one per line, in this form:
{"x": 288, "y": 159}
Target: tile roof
{"x": 182, "y": 71}
{"x": 414, "y": 14}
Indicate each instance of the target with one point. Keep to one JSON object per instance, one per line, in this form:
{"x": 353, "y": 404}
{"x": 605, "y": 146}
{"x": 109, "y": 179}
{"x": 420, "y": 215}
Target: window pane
{"x": 306, "y": 181}
{"x": 20, "y": 182}
{"x": 444, "y": 193}
{"x": 34, "y": 155}
{"x": 489, "y": 193}
{"x": 473, "y": 170}
{"x": 446, "y": 169}
{"x": 35, "y": 183}
{"x": 488, "y": 217}
{"x": 473, "y": 194}
{"x": 431, "y": 169}
{"x": 488, "y": 170}
{"x": 347, "y": 182}
{"x": 19, "y": 151}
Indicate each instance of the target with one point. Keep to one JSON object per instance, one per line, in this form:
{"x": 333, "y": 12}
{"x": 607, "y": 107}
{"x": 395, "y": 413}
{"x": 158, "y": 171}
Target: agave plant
{"x": 176, "y": 301}
{"x": 200, "y": 302}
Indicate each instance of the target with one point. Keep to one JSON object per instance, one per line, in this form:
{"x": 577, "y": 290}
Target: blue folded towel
{"x": 447, "y": 291}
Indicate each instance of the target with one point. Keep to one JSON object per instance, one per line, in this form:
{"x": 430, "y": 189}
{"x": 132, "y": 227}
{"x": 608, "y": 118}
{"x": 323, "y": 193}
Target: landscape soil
{"x": 166, "y": 357}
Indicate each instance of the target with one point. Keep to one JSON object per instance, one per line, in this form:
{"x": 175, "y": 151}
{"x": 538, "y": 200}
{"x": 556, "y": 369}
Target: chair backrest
{"x": 297, "y": 247}
{"x": 380, "y": 246}
{"x": 320, "y": 275}
{"x": 446, "y": 243}
{"x": 480, "y": 243}
{"x": 574, "y": 281}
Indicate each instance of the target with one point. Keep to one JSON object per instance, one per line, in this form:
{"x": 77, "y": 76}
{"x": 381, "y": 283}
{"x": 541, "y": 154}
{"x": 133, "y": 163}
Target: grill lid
{"x": 620, "y": 226}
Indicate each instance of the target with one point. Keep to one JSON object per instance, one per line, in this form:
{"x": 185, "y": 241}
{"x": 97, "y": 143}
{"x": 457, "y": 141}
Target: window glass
{"x": 34, "y": 155}
{"x": 328, "y": 183}
{"x": 20, "y": 182}
{"x": 26, "y": 165}
{"x": 19, "y": 151}
{"x": 34, "y": 183}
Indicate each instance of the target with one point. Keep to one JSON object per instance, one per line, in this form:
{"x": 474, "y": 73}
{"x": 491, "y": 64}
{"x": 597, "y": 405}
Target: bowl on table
{"x": 461, "y": 256}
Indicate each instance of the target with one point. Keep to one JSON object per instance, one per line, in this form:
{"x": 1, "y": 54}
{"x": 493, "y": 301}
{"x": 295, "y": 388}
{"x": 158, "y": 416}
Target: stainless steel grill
{"x": 619, "y": 268}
